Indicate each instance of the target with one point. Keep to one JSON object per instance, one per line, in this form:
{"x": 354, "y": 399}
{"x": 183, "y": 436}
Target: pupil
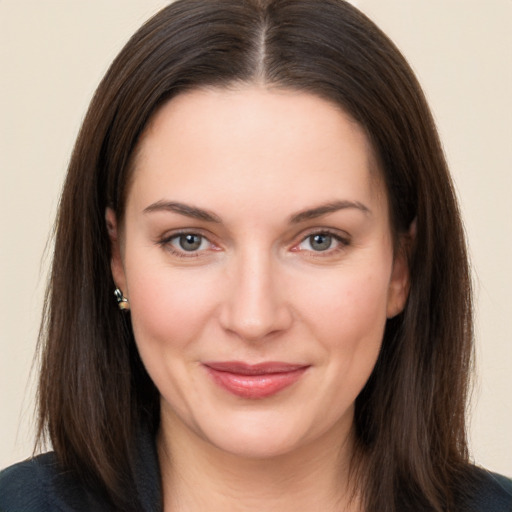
{"x": 321, "y": 242}
{"x": 190, "y": 242}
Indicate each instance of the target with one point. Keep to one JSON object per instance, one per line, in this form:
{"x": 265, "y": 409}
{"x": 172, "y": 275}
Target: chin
{"x": 259, "y": 435}
{"x": 255, "y": 446}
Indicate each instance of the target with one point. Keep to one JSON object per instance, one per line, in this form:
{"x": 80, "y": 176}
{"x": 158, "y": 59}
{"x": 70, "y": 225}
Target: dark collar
{"x": 147, "y": 472}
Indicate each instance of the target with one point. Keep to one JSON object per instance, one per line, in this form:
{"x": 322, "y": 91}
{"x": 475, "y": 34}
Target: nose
{"x": 255, "y": 305}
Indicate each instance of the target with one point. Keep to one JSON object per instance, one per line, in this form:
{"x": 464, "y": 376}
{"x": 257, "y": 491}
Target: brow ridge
{"x": 183, "y": 209}
{"x": 208, "y": 216}
{"x": 324, "y": 209}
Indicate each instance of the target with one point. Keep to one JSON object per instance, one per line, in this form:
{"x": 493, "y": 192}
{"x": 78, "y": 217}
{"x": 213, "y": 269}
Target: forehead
{"x": 254, "y": 141}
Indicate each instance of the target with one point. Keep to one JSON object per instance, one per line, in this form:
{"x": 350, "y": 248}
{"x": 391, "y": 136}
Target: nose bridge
{"x": 255, "y": 306}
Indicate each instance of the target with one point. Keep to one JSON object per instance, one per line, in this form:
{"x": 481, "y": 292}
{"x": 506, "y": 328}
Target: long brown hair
{"x": 94, "y": 391}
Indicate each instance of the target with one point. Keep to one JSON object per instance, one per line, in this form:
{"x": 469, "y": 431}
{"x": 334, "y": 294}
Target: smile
{"x": 254, "y": 381}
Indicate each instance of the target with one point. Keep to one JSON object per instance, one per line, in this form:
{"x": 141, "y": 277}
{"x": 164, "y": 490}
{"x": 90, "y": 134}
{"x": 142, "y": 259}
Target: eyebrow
{"x": 324, "y": 209}
{"x": 183, "y": 209}
{"x": 205, "y": 215}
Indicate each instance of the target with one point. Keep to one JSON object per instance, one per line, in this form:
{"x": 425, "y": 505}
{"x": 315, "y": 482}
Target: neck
{"x": 198, "y": 476}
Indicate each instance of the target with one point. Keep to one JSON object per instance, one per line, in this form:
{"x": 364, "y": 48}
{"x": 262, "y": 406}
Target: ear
{"x": 116, "y": 262}
{"x": 400, "y": 281}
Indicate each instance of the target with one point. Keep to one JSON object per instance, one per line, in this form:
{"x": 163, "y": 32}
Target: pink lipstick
{"x": 254, "y": 381}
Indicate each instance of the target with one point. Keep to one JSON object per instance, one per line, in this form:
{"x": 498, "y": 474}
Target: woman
{"x": 262, "y": 186}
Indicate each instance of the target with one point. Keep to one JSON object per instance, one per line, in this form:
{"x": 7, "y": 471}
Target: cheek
{"x": 169, "y": 308}
{"x": 347, "y": 315}
{"x": 348, "y": 307}
{"x": 349, "y": 324}
{"x": 169, "y": 313}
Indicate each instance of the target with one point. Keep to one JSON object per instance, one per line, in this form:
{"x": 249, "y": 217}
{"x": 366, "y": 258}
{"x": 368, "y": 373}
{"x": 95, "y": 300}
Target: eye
{"x": 319, "y": 242}
{"x": 322, "y": 241}
{"x": 189, "y": 242}
{"x": 186, "y": 244}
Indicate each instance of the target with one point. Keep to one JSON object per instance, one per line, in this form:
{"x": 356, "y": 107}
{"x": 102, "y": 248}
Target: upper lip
{"x": 242, "y": 368}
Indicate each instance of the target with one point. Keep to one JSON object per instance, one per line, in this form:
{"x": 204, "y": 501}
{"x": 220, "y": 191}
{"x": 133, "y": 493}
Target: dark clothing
{"x": 39, "y": 485}
{"x": 493, "y": 495}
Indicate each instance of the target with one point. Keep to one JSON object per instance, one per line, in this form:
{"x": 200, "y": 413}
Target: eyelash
{"x": 166, "y": 243}
{"x": 341, "y": 241}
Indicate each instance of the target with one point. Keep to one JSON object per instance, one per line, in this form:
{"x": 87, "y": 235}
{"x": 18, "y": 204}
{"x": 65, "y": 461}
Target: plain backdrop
{"x": 53, "y": 54}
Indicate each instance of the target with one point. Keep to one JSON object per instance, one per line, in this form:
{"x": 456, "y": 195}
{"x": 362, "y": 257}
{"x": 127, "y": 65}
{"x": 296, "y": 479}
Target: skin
{"x": 258, "y": 288}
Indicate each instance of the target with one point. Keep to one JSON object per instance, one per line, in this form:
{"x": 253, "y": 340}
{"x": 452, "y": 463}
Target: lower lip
{"x": 255, "y": 386}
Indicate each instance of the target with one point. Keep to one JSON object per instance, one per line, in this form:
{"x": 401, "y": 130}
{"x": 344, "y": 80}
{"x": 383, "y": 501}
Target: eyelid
{"x": 342, "y": 237}
{"x": 165, "y": 242}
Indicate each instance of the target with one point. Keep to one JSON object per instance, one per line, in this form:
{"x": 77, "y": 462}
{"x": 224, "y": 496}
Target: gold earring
{"x": 122, "y": 301}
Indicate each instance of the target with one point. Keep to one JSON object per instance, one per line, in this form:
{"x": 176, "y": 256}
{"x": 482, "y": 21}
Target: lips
{"x": 254, "y": 381}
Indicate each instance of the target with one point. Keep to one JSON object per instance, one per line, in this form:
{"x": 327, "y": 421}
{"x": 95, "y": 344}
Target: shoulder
{"x": 487, "y": 492}
{"x": 23, "y": 486}
{"x": 41, "y": 485}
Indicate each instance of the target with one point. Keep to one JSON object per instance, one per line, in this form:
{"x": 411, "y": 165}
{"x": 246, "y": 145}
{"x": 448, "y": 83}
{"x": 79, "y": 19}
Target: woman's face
{"x": 257, "y": 258}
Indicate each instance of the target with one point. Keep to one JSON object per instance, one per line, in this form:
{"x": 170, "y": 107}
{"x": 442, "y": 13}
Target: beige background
{"x": 52, "y": 55}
